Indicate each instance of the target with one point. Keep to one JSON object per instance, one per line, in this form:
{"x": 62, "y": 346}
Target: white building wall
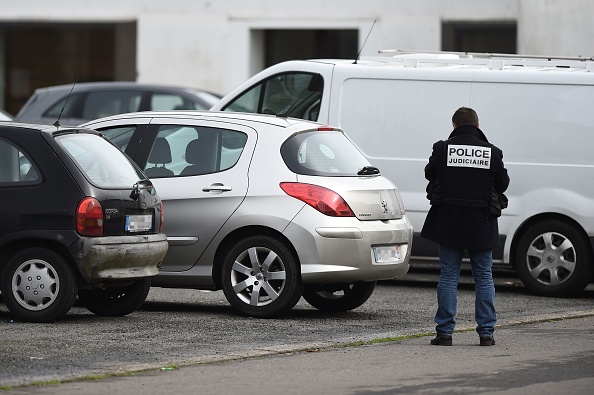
{"x": 556, "y": 27}
{"x": 216, "y": 44}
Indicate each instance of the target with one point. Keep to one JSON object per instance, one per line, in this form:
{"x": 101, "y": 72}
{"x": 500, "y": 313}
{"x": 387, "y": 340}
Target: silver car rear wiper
{"x": 145, "y": 182}
{"x": 368, "y": 170}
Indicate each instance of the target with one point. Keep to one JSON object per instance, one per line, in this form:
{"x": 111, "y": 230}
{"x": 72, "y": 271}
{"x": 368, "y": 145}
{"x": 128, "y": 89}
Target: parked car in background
{"x": 92, "y": 100}
{"x": 4, "y": 116}
{"x": 268, "y": 209}
{"x": 77, "y": 218}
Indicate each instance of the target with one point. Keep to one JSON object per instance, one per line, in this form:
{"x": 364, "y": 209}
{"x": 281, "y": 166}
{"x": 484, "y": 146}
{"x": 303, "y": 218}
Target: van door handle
{"x": 217, "y": 187}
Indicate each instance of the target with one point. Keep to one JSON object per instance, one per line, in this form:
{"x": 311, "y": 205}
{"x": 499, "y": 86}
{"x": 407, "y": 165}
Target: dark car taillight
{"x": 162, "y": 215}
{"x": 89, "y": 217}
{"x": 324, "y": 200}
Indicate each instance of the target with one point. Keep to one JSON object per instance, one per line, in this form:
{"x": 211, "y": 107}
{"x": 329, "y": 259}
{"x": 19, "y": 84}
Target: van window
{"x": 297, "y": 94}
{"x": 322, "y": 154}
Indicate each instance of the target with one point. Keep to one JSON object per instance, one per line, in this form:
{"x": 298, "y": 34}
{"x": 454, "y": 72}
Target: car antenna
{"x": 365, "y": 42}
{"x": 285, "y": 114}
{"x": 57, "y": 123}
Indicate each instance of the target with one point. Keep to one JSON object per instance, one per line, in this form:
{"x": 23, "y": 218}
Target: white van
{"x": 539, "y": 111}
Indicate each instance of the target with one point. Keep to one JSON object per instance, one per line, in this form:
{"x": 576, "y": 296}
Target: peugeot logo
{"x": 384, "y": 206}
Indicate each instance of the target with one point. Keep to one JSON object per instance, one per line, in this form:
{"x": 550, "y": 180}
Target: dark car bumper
{"x": 101, "y": 259}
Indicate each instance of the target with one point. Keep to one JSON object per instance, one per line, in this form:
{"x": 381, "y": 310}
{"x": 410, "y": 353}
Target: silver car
{"x": 268, "y": 209}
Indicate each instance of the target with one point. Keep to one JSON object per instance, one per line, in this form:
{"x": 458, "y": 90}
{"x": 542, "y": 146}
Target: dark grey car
{"x": 92, "y": 100}
{"x": 77, "y": 218}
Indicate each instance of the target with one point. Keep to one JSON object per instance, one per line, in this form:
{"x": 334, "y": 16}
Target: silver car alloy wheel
{"x": 551, "y": 258}
{"x": 258, "y": 276}
{"x": 35, "y": 285}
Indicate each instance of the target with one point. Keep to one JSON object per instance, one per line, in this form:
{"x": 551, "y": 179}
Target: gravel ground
{"x": 181, "y": 327}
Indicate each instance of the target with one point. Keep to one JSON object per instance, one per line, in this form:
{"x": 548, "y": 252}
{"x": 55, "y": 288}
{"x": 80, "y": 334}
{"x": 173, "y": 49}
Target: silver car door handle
{"x": 217, "y": 188}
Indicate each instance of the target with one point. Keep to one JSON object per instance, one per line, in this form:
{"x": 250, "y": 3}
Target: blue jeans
{"x": 450, "y": 260}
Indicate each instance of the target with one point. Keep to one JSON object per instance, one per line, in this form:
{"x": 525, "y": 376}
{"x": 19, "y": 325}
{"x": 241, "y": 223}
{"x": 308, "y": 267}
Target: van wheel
{"x": 339, "y": 297}
{"x": 261, "y": 277}
{"x": 38, "y": 285}
{"x": 115, "y": 301}
{"x": 554, "y": 259}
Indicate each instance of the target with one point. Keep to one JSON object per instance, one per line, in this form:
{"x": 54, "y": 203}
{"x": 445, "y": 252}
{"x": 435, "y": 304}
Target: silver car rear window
{"x": 322, "y": 153}
{"x": 102, "y": 163}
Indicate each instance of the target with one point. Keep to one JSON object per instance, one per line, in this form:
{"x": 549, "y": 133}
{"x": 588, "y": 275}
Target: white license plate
{"x": 139, "y": 223}
{"x": 386, "y": 254}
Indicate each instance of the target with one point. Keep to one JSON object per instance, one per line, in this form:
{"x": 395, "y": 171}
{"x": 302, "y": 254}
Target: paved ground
{"x": 552, "y": 357}
{"x": 199, "y": 329}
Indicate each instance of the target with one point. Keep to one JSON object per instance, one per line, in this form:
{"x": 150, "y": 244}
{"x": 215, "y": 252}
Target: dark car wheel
{"x": 261, "y": 277}
{"x": 554, "y": 259}
{"x": 38, "y": 285}
{"x": 115, "y": 301}
{"x": 339, "y": 297}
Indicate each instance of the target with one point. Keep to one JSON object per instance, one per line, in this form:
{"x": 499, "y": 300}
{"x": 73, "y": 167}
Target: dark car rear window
{"x": 102, "y": 163}
{"x": 324, "y": 153}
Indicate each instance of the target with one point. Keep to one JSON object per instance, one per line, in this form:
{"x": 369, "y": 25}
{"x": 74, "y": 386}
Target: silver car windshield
{"x": 322, "y": 153}
{"x": 102, "y": 163}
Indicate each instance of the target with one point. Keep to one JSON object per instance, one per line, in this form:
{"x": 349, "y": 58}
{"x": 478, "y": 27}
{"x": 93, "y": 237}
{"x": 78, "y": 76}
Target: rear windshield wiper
{"x": 368, "y": 170}
{"x": 146, "y": 184}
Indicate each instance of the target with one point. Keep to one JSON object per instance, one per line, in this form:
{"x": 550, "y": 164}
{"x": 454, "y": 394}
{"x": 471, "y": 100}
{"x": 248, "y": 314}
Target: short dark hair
{"x": 465, "y": 116}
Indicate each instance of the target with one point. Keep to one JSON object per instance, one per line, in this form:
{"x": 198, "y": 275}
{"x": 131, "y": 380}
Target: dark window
{"x": 282, "y": 45}
{"x": 490, "y": 37}
{"x": 45, "y": 54}
{"x": 65, "y": 107}
{"x": 104, "y": 103}
{"x": 93, "y": 105}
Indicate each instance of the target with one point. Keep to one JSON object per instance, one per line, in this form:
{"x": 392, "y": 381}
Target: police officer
{"x": 467, "y": 179}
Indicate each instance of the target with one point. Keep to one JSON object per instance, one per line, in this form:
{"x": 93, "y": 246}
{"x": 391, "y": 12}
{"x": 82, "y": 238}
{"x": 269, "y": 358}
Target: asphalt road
{"x": 178, "y": 328}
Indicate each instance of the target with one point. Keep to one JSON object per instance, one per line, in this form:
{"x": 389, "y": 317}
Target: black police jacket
{"x": 465, "y": 173}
